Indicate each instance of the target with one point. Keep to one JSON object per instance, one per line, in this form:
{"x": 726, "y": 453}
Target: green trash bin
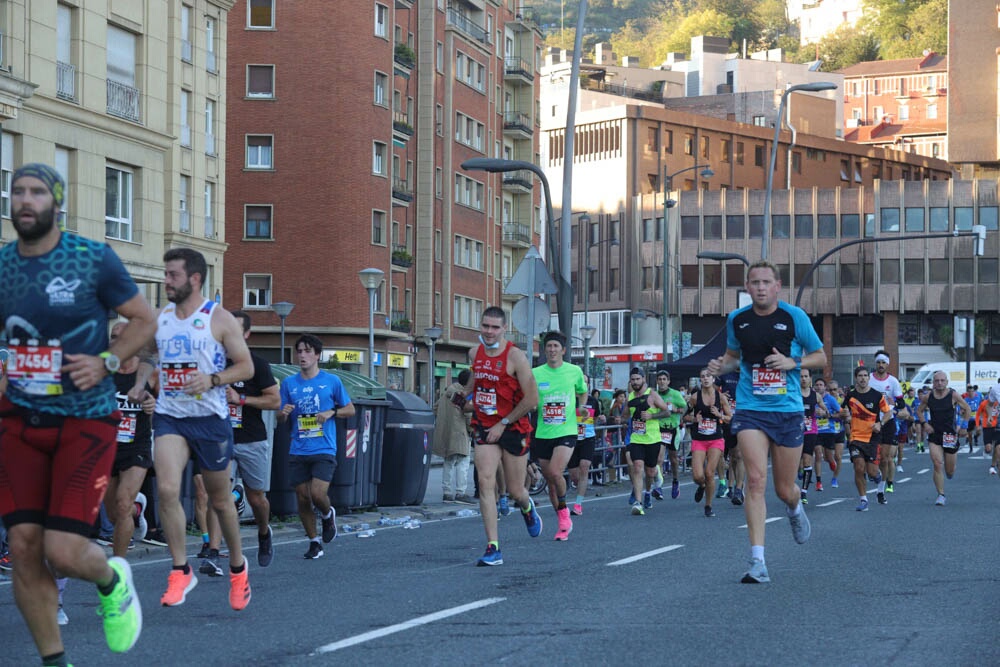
{"x": 359, "y": 446}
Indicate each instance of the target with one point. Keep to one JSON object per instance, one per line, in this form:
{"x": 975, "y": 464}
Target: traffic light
{"x": 980, "y": 231}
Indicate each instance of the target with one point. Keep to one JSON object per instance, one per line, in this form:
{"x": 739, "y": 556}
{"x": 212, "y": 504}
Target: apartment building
{"x": 899, "y": 103}
{"x": 354, "y": 163}
{"x": 125, "y": 98}
{"x": 819, "y": 18}
{"x": 973, "y": 109}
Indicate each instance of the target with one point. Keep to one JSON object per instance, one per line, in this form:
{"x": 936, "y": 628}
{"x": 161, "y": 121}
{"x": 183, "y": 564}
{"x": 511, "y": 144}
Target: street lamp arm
{"x": 878, "y": 239}
{"x": 668, "y": 179}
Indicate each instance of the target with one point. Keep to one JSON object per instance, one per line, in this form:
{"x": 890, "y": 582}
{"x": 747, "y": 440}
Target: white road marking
{"x": 647, "y": 554}
{"x": 771, "y": 520}
{"x": 832, "y": 502}
{"x": 405, "y": 625}
{"x": 905, "y": 479}
{"x": 921, "y": 472}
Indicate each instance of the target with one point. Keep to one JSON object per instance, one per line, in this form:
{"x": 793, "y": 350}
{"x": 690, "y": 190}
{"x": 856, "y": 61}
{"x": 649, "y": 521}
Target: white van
{"x": 985, "y": 374}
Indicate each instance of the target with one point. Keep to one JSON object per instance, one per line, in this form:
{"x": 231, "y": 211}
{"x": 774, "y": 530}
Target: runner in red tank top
{"x": 502, "y": 392}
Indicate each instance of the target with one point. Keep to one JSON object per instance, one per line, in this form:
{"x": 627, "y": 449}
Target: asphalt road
{"x": 904, "y": 584}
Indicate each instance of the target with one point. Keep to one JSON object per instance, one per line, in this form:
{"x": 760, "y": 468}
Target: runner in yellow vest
{"x": 644, "y": 439}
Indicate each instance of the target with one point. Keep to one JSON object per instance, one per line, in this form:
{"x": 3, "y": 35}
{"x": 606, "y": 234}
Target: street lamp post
{"x": 586, "y": 333}
{"x": 371, "y": 279}
{"x": 813, "y": 87}
{"x": 432, "y": 334}
{"x": 283, "y": 309}
{"x": 565, "y": 294}
{"x": 668, "y": 180}
{"x": 584, "y": 221}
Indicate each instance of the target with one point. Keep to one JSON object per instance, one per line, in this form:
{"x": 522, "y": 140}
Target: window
{"x": 913, "y": 271}
{"x": 713, "y": 226}
{"x": 378, "y": 227}
{"x": 988, "y": 270}
{"x": 468, "y": 253}
{"x": 963, "y": 218}
{"x": 690, "y": 227}
{"x": 210, "y": 64}
{"x": 734, "y": 227}
{"x": 826, "y": 226}
{"x": 734, "y": 274}
{"x": 260, "y": 14}
{"x": 469, "y": 131}
{"x": 803, "y": 226}
{"x": 826, "y": 275}
{"x": 185, "y": 33}
{"x": 118, "y": 203}
{"x": 469, "y": 192}
{"x": 963, "y": 270}
{"x": 648, "y": 233}
{"x": 209, "y": 211}
{"x": 797, "y": 162}
{"x": 378, "y": 158}
{"x": 849, "y": 275}
{"x": 890, "y": 220}
{"x": 932, "y": 111}
{"x": 850, "y": 225}
{"x": 185, "y": 102}
{"x": 438, "y": 183}
{"x": 614, "y": 231}
{"x": 845, "y": 166}
{"x": 62, "y": 165}
{"x": 939, "y": 219}
{"x": 612, "y": 280}
{"x": 904, "y": 112}
{"x": 184, "y": 204}
{"x": 703, "y": 147}
{"x": 467, "y": 312}
{"x": 65, "y": 69}
{"x": 914, "y": 221}
{"x": 123, "y": 97}
{"x": 758, "y": 156}
{"x": 209, "y": 127}
{"x": 260, "y": 81}
{"x": 688, "y": 144}
{"x": 725, "y": 149}
{"x": 381, "y": 21}
{"x": 260, "y": 154}
{"x": 649, "y": 278}
{"x": 437, "y": 245}
{"x": 760, "y": 121}
{"x": 739, "y": 152}
{"x": 256, "y": 291}
{"x": 668, "y": 141}
{"x": 652, "y": 139}
{"x": 712, "y": 275}
{"x": 6, "y": 172}
{"x": 938, "y": 270}
{"x": 756, "y": 226}
{"x": 439, "y": 57}
{"x": 988, "y": 217}
{"x": 889, "y": 269}
{"x": 257, "y": 221}
{"x": 780, "y": 226}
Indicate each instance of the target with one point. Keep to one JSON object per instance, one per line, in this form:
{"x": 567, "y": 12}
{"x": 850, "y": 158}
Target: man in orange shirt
{"x": 866, "y": 410}
{"x": 986, "y": 421}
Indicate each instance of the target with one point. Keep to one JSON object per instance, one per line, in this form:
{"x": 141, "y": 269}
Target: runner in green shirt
{"x": 669, "y": 422}
{"x": 562, "y": 396}
{"x": 644, "y": 439}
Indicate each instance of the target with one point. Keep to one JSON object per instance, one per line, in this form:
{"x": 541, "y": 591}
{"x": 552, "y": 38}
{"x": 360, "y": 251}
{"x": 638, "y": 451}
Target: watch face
{"x": 112, "y": 363}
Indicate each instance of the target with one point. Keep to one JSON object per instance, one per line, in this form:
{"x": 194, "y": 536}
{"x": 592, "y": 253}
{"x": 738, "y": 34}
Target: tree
{"x": 906, "y": 29}
{"x": 847, "y": 46}
{"x": 707, "y": 22}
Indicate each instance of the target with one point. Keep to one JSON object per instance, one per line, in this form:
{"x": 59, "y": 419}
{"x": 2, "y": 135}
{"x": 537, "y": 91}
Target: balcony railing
{"x": 401, "y": 123}
{"x": 210, "y": 232}
{"x": 209, "y": 144}
{"x": 186, "y": 135}
{"x": 518, "y": 67}
{"x": 518, "y": 179}
{"x": 401, "y": 190}
{"x": 516, "y": 120}
{"x": 210, "y": 62}
{"x": 184, "y": 222}
{"x": 399, "y": 321}
{"x": 123, "y": 101}
{"x": 185, "y": 50}
{"x": 467, "y": 25}
{"x": 66, "y": 81}
{"x": 514, "y": 232}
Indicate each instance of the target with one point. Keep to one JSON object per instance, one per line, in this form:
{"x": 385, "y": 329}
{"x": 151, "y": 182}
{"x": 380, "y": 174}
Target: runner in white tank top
{"x": 188, "y": 345}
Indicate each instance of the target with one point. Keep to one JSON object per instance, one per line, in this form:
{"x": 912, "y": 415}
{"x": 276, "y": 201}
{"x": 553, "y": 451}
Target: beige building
{"x": 127, "y": 99}
{"x": 973, "y": 109}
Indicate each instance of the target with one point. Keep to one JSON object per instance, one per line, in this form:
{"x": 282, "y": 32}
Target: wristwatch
{"x": 505, "y": 421}
{"x": 111, "y": 362}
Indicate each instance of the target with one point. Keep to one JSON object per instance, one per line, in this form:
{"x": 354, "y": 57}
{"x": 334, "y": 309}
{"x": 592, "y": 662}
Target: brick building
{"x": 901, "y": 104}
{"x": 353, "y": 162}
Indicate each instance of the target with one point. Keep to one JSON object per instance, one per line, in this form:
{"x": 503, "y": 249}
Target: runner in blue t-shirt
{"x": 769, "y": 341}
{"x": 311, "y": 401}
{"x": 59, "y": 412}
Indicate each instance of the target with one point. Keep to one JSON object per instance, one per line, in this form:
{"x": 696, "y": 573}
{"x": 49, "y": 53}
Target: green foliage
{"x": 847, "y": 46}
{"x": 906, "y": 29}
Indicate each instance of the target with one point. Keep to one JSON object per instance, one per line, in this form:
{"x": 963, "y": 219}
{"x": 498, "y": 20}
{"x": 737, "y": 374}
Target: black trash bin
{"x": 406, "y": 449}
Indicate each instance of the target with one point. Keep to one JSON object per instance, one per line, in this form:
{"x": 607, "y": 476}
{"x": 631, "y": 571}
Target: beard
{"x": 180, "y": 293}
{"x": 44, "y": 222}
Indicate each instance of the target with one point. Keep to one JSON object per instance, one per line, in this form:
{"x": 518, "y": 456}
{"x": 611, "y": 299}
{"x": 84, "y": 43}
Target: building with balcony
{"x": 973, "y": 108}
{"x": 820, "y": 18}
{"x": 901, "y": 104}
{"x": 362, "y": 169}
{"x": 112, "y": 96}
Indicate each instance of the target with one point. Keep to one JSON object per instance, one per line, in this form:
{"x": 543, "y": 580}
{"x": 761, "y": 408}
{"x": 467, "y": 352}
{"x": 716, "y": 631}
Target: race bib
{"x": 707, "y": 426}
{"x": 666, "y": 437}
{"x": 639, "y": 427}
{"x": 126, "y": 428}
{"x": 486, "y": 400}
{"x": 236, "y": 416}
{"x": 949, "y": 439}
{"x": 309, "y": 426}
{"x": 34, "y": 368}
{"x": 769, "y": 382}
{"x": 174, "y": 375}
{"x": 554, "y": 413}
{"x": 823, "y": 423}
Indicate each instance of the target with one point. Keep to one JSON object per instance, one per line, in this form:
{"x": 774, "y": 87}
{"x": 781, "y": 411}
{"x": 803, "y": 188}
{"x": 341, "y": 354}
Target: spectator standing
{"x": 452, "y": 440}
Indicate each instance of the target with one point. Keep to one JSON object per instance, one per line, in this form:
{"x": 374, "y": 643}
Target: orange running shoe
{"x": 178, "y": 586}
{"x": 239, "y": 588}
